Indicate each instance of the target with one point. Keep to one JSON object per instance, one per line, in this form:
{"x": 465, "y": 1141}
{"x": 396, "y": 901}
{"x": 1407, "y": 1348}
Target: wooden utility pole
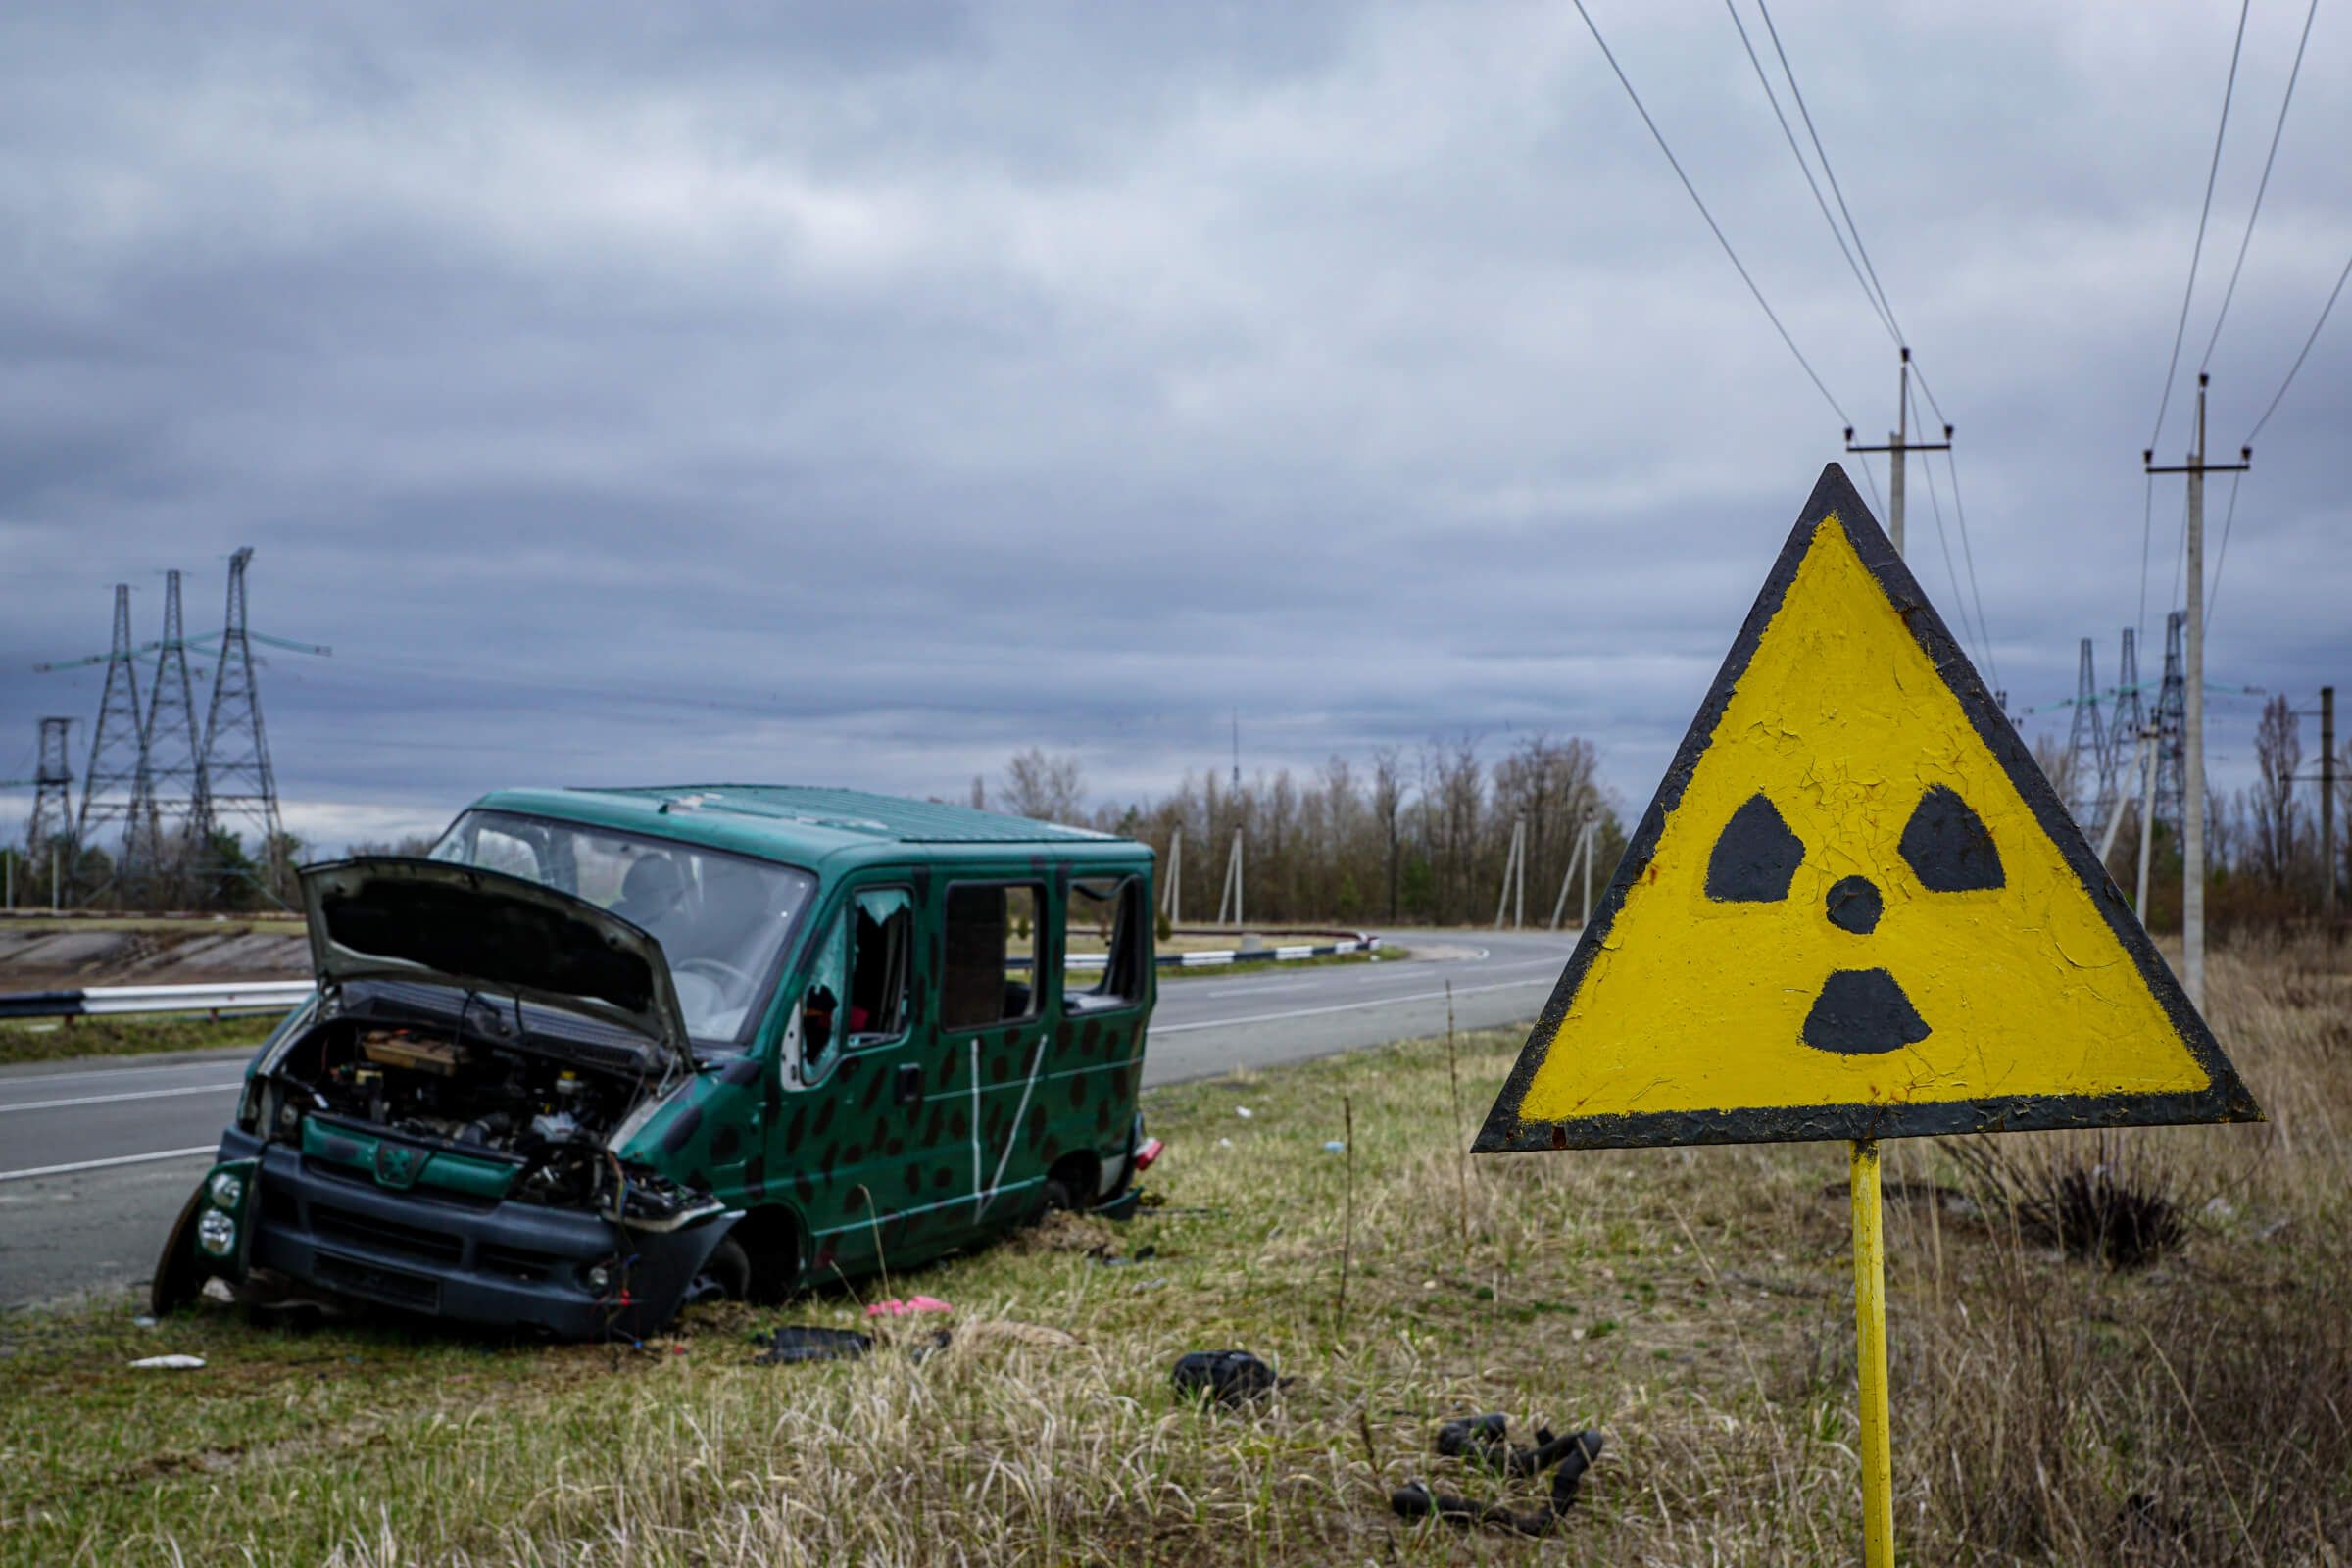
{"x": 2327, "y": 803}
{"x": 2193, "y": 724}
{"x": 1900, "y": 446}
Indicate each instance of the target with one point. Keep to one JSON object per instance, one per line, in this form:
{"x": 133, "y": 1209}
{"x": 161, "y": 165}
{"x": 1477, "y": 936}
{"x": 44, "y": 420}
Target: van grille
{"x": 391, "y": 1285}
{"x": 385, "y": 1235}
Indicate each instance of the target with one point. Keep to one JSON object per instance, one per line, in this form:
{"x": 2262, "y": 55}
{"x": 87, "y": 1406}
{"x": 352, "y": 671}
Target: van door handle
{"x": 909, "y": 1089}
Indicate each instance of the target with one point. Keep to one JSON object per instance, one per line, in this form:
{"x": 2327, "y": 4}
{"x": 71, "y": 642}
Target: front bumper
{"x": 507, "y": 1265}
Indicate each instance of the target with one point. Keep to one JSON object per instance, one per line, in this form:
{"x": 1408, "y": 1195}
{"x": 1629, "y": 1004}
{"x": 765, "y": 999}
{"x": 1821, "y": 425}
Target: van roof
{"x": 790, "y": 821}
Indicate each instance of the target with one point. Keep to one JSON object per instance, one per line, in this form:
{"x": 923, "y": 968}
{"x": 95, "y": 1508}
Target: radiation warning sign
{"x": 1856, "y": 908}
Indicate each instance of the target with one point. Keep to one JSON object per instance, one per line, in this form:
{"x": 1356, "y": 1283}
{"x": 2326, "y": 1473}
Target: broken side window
{"x": 1103, "y": 944}
{"x": 991, "y": 947}
{"x": 879, "y": 949}
{"x": 820, "y": 1003}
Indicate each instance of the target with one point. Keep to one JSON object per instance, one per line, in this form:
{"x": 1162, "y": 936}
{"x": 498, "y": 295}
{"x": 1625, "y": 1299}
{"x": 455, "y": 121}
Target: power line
{"x": 1717, "y": 229}
{"x": 1878, "y": 307}
{"x": 2221, "y": 556}
{"x": 1983, "y": 632}
{"x": 2305, "y": 353}
{"x": 1968, "y": 554}
{"x": 2277, "y": 131}
{"x": 1828, "y": 173}
{"x": 2204, "y": 213}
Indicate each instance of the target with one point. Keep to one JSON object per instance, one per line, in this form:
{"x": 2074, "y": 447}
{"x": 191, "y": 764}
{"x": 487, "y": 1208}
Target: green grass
{"x": 64, "y": 1040}
{"x": 1694, "y": 1304}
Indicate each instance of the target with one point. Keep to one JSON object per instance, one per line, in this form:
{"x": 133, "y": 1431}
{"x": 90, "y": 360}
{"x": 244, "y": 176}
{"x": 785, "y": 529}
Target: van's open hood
{"x": 391, "y": 917}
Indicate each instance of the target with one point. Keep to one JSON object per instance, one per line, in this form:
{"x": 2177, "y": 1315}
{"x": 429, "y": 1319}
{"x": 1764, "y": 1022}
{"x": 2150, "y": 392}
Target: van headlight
{"x": 217, "y": 1233}
{"x": 228, "y": 1189}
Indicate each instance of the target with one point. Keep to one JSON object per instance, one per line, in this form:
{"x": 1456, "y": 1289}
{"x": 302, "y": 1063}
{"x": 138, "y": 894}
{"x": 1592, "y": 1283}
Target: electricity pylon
{"x": 2089, "y": 784}
{"x": 176, "y": 778}
{"x": 234, "y": 762}
{"x": 53, "y": 790}
{"x": 114, "y": 788}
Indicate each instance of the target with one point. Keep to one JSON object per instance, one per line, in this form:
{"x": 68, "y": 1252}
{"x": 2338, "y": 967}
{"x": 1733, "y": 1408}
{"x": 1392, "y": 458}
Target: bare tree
{"x": 1388, "y": 799}
{"x": 2278, "y": 755}
{"x": 1046, "y": 789}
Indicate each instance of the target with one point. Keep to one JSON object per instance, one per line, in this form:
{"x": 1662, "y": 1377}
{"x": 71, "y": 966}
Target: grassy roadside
{"x": 132, "y": 1035}
{"x": 1694, "y": 1303}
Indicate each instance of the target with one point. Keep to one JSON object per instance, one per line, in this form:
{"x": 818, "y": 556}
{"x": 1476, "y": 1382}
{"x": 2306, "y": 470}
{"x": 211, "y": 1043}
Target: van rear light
{"x": 1145, "y": 1156}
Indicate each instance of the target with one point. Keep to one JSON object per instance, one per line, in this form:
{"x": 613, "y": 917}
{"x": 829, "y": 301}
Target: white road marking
{"x": 1343, "y": 1006}
{"x": 134, "y": 1094}
{"x": 102, "y": 1165}
{"x": 125, "y": 1073}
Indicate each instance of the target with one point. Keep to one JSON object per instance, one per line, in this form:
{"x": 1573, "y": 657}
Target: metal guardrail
{"x": 104, "y": 1002}
{"x": 1224, "y": 955}
{"x": 280, "y": 996}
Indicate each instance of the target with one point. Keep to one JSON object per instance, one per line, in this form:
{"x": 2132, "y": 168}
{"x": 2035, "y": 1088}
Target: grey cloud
{"x": 862, "y": 393}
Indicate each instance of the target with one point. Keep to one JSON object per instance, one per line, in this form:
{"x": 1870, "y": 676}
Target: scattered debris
{"x": 895, "y": 1307}
{"x": 1480, "y": 1439}
{"x": 1244, "y": 1111}
{"x": 1103, "y": 1256}
{"x": 174, "y": 1363}
{"x": 1232, "y": 1378}
{"x": 795, "y": 1342}
{"x": 143, "y": 1321}
{"x": 1336, "y": 1147}
{"x": 1013, "y": 1332}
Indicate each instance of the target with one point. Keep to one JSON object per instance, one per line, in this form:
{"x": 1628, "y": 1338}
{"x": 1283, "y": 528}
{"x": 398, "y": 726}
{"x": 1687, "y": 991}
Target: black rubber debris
{"x": 794, "y": 1343}
{"x": 1481, "y": 1440}
{"x": 1230, "y": 1378}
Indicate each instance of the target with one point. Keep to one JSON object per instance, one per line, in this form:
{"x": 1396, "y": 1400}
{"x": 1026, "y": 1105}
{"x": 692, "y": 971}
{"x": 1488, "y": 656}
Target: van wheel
{"x": 726, "y": 1274}
{"x": 1052, "y": 1199}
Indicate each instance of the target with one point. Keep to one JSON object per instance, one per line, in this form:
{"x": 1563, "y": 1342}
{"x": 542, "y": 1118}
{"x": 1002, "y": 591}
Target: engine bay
{"x": 549, "y": 1115}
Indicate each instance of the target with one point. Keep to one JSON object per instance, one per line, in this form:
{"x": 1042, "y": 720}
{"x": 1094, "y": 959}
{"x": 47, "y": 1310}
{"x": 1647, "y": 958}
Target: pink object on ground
{"x": 914, "y": 1304}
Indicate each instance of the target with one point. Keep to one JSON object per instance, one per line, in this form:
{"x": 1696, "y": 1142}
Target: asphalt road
{"x": 96, "y": 1157}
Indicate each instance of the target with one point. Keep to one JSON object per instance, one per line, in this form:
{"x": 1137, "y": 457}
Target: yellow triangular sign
{"x": 1856, "y": 909}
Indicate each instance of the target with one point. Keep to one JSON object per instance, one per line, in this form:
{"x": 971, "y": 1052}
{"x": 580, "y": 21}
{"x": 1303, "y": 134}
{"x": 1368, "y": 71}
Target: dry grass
{"x": 1694, "y": 1304}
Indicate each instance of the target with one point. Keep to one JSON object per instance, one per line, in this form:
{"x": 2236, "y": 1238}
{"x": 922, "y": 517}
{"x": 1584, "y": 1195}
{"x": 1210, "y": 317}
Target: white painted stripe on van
{"x": 1012, "y": 1133}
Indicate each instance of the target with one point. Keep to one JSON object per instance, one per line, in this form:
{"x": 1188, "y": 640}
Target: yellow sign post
{"x": 1855, "y": 910}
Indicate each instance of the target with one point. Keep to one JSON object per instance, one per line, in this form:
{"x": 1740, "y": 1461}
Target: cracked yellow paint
{"x": 1843, "y": 723}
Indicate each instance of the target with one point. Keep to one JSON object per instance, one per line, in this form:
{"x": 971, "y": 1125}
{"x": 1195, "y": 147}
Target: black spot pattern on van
{"x": 755, "y": 1177}
{"x": 956, "y": 1125}
{"x": 681, "y": 1132}
{"x": 873, "y": 1091}
{"x": 824, "y": 1117}
{"x": 1078, "y": 1091}
{"x": 794, "y": 1128}
{"x": 699, "y": 1180}
{"x": 725, "y": 1144}
{"x": 895, "y": 1148}
{"x": 1036, "y": 1125}
{"x": 741, "y": 1073}
{"x": 913, "y": 1176}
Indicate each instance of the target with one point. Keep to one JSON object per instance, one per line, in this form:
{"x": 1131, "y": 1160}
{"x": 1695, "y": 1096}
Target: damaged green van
{"x": 605, "y": 1049}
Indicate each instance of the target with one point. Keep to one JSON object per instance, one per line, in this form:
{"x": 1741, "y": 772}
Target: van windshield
{"x": 723, "y": 920}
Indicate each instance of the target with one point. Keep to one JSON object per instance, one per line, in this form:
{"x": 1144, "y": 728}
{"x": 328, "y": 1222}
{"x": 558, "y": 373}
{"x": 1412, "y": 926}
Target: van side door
{"x": 842, "y": 1143}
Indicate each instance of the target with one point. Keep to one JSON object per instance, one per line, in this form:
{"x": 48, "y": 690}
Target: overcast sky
{"x": 858, "y": 394}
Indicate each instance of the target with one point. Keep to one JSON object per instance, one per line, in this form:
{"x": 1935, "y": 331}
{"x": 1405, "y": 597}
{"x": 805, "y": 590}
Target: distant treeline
{"x": 1414, "y": 837}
